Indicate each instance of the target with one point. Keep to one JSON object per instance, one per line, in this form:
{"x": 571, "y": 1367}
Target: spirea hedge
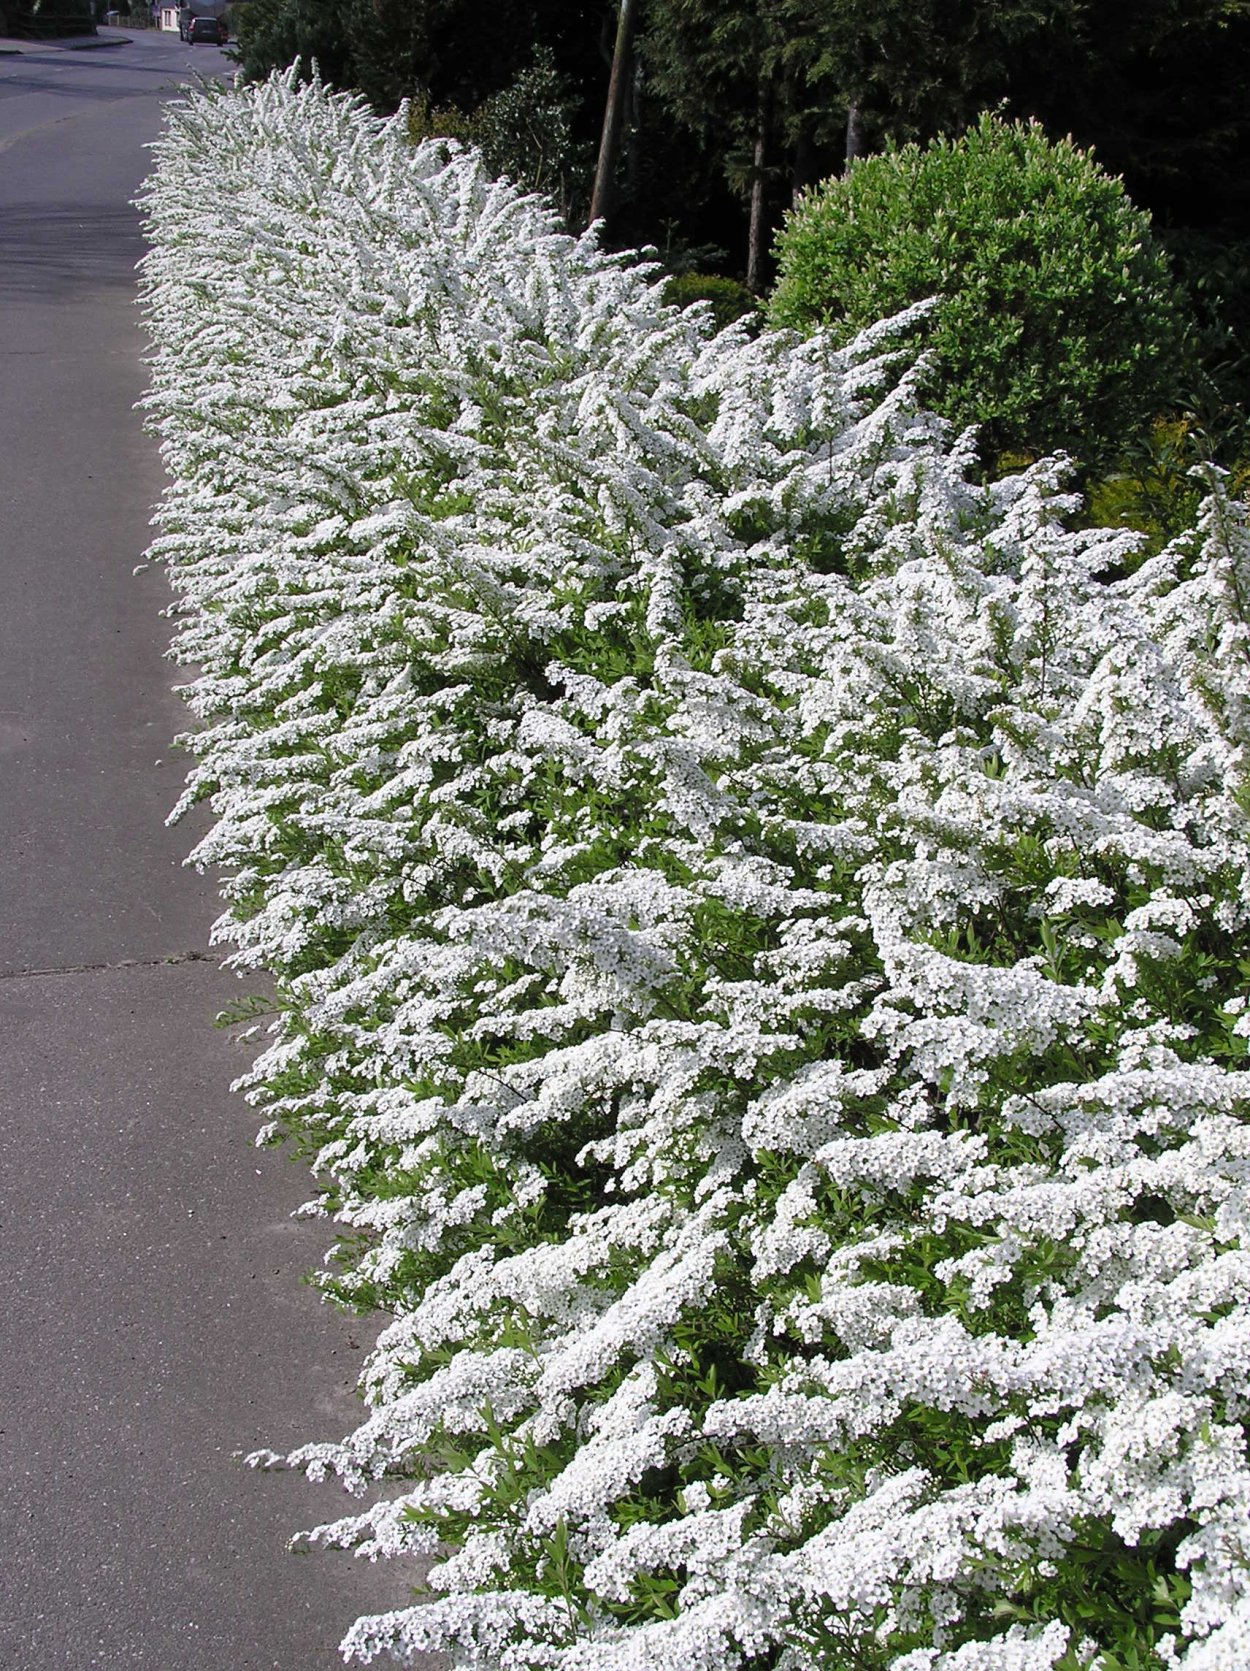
{"x": 759, "y": 923}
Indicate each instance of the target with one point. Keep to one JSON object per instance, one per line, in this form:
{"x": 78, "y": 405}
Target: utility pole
{"x": 614, "y": 113}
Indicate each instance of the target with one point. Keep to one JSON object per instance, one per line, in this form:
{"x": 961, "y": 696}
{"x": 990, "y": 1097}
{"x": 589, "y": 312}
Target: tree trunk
{"x": 800, "y": 169}
{"x": 632, "y": 146}
{"x": 855, "y": 146}
{"x": 755, "y": 238}
{"x": 618, "y": 93}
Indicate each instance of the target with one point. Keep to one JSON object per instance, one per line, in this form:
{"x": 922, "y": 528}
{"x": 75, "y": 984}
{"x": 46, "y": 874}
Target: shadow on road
{"x": 54, "y": 250}
{"x": 23, "y": 66}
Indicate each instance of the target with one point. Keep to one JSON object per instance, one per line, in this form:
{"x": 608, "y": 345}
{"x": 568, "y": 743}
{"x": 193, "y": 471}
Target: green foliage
{"x": 728, "y": 299}
{"x": 708, "y": 60}
{"x": 273, "y": 33}
{"x": 764, "y": 88}
{"x": 912, "y": 67}
{"x": 1058, "y": 325}
{"x": 1155, "y": 487}
{"x": 526, "y": 132}
{"x": 427, "y": 121}
{"x": 1159, "y": 88}
{"x": 442, "y": 50}
{"x": 525, "y": 117}
{"x": 1214, "y": 268}
{"x": 390, "y": 42}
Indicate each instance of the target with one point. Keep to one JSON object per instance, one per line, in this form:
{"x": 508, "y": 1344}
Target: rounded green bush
{"x": 1059, "y": 324}
{"x": 728, "y": 299}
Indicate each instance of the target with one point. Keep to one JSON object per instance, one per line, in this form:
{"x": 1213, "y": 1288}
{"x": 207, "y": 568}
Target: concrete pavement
{"x": 11, "y": 44}
{"x": 153, "y": 1323}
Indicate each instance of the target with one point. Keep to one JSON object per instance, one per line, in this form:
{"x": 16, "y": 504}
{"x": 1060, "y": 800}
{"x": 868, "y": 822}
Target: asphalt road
{"x": 152, "y": 1321}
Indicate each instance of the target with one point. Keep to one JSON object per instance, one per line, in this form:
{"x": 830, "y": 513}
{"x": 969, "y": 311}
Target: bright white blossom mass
{"x": 759, "y": 926}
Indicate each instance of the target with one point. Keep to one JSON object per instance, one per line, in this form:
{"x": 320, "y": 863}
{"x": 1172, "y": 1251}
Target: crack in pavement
{"x": 172, "y": 960}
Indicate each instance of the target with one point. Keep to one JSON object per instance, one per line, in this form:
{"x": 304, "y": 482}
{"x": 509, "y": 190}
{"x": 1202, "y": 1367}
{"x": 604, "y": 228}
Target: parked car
{"x": 210, "y": 29}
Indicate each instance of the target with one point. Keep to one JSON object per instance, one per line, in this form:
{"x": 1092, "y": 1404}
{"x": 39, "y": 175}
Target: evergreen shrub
{"x": 307, "y": 33}
{"x": 759, "y": 930}
{"x": 1059, "y": 325}
{"x": 727, "y": 299}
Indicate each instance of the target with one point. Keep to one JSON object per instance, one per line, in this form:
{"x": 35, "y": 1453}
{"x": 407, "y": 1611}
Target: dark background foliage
{"x": 1157, "y": 87}
{"x": 732, "y": 107}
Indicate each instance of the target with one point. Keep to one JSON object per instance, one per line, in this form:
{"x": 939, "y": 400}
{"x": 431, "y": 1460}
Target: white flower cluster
{"x": 759, "y": 923}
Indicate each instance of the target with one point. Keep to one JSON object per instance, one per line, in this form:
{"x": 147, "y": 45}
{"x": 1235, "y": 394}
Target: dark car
{"x": 210, "y": 29}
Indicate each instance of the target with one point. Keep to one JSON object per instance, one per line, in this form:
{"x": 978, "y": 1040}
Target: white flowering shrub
{"x": 759, "y": 925}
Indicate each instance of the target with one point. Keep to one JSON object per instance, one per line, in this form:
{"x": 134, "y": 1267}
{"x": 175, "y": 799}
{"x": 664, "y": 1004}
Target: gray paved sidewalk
{"x": 152, "y": 1319}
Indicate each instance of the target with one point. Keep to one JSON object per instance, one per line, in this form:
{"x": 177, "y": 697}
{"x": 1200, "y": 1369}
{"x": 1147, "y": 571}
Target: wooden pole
{"x": 755, "y": 236}
{"x": 613, "y": 115}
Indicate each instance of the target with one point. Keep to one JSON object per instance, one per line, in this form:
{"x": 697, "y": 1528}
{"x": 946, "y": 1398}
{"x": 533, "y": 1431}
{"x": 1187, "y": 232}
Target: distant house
{"x": 173, "y": 17}
{"x": 180, "y": 15}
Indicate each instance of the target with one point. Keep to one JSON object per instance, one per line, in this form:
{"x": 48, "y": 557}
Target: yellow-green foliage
{"x": 1155, "y": 487}
{"x": 425, "y": 121}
